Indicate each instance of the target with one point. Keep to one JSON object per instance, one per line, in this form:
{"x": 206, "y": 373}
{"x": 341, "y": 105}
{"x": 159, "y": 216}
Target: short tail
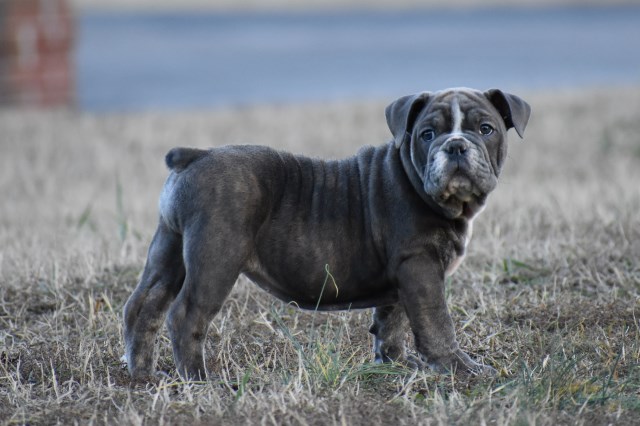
{"x": 179, "y": 158}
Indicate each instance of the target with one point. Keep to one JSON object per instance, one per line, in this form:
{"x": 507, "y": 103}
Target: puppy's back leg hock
{"x": 208, "y": 282}
{"x": 390, "y": 325}
{"x": 144, "y": 312}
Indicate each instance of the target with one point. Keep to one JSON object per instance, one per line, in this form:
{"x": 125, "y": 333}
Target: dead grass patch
{"x": 549, "y": 293}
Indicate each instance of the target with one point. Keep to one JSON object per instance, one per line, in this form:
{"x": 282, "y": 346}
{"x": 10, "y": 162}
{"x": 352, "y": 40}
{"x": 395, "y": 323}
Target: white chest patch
{"x": 457, "y": 261}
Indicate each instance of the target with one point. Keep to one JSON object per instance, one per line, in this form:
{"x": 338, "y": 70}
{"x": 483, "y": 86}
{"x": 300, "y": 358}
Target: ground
{"x": 549, "y": 293}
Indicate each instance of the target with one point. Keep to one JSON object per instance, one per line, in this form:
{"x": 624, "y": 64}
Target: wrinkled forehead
{"x": 452, "y": 108}
{"x": 447, "y": 101}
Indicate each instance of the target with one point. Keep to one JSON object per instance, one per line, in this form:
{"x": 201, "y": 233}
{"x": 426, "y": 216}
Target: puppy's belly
{"x": 323, "y": 291}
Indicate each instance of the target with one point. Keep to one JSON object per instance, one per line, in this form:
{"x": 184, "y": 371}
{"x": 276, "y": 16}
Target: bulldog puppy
{"x": 389, "y": 223}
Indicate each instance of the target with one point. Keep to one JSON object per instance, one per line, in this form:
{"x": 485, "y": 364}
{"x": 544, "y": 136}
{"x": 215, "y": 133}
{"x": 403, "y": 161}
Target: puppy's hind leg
{"x": 390, "y": 326}
{"x": 144, "y": 312}
{"x": 213, "y": 263}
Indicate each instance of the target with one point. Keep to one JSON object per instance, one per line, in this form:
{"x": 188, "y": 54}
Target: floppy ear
{"x": 515, "y": 112}
{"x": 402, "y": 113}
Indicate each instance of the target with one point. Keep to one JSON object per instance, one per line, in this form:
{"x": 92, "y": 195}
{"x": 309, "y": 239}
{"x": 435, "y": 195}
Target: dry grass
{"x": 549, "y": 293}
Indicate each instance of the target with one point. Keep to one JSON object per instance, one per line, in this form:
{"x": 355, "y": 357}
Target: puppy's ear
{"x": 515, "y": 112}
{"x": 401, "y": 115}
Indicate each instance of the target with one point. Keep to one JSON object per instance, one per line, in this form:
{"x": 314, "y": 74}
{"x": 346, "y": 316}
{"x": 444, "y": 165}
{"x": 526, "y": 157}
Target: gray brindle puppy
{"x": 390, "y": 222}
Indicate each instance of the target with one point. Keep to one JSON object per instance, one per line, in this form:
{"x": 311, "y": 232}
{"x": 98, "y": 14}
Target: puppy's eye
{"x": 486, "y": 129}
{"x": 428, "y": 135}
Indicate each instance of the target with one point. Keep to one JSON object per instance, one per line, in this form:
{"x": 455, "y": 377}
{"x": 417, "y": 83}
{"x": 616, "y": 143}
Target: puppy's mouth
{"x": 458, "y": 184}
{"x": 459, "y": 187}
{"x": 458, "y": 196}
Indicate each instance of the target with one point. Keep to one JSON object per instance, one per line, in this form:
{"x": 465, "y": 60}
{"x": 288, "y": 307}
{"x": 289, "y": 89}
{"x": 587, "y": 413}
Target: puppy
{"x": 390, "y": 223}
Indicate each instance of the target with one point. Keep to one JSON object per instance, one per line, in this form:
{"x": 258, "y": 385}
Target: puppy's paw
{"x": 484, "y": 371}
{"x": 409, "y": 360}
{"x": 460, "y": 363}
{"x": 415, "y": 362}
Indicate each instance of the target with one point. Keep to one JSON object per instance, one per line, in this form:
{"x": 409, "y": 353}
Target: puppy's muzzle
{"x": 458, "y": 172}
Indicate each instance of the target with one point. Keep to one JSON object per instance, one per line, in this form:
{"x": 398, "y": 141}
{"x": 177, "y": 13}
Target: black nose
{"x": 456, "y": 147}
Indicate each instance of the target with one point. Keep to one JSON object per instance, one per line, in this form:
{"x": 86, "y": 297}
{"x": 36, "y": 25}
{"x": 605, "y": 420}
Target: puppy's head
{"x": 456, "y": 141}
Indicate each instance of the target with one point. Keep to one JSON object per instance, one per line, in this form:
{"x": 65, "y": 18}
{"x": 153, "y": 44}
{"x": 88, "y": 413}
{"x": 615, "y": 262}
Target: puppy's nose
{"x": 456, "y": 147}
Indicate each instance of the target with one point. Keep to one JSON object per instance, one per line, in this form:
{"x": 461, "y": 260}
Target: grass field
{"x": 549, "y": 294}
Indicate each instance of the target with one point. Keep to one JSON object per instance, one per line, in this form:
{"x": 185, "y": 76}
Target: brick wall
{"x": 36, "y": 53}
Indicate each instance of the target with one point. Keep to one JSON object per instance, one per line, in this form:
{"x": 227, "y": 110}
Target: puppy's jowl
{"x": 391, "y": 222}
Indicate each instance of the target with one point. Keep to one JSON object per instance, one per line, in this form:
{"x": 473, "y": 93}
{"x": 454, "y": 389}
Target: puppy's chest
{"x": 459, "y": 254}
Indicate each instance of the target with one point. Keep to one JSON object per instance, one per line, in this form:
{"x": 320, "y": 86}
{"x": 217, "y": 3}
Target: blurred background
{"x": 137, "y": 55}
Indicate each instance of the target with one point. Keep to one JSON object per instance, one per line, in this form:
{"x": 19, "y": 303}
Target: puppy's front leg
{"x": 421, "y": 287}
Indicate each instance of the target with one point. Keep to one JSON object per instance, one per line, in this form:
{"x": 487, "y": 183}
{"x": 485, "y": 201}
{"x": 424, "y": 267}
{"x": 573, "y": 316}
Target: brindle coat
{"x": 389, "y": 224}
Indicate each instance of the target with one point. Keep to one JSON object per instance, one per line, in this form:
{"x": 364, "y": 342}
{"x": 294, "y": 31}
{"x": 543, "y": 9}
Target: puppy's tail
{"x": 179, "y": 158}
